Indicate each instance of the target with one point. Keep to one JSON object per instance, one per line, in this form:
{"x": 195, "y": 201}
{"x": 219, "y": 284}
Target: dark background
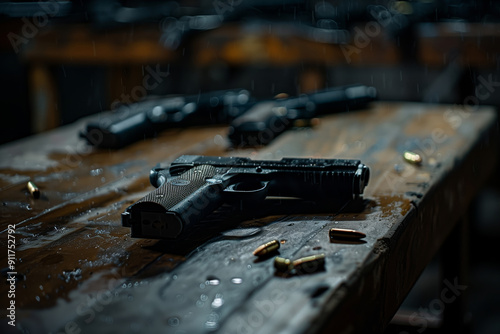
{"x": 84, "y": 88}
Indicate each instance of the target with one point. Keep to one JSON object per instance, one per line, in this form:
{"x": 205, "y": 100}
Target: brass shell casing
{"x": 412, "y": 157}
{"x": 282, "y": 265}
{"x": 33, "y": 189}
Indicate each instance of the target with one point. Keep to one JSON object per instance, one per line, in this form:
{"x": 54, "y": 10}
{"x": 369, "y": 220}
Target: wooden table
{"x": 125, "y": 52}
{"x": 78, "y": 270}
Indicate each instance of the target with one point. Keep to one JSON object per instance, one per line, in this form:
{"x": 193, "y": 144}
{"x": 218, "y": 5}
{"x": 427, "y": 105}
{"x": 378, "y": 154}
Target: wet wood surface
{"x": 78, "y": 270}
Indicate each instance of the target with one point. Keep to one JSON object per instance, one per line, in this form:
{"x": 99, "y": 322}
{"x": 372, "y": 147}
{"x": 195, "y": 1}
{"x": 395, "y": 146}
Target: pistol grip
{"x": 180, "y": 202}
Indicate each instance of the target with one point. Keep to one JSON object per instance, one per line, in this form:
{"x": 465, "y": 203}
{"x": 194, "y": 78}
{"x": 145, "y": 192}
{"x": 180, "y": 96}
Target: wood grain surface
{"x": 78, "y": 270}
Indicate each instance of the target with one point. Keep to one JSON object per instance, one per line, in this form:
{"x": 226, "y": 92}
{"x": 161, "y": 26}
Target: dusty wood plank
{"x": 98, "y": 275}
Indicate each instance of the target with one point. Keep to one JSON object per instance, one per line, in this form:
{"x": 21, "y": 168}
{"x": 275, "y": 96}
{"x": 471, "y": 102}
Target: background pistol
{"x": 134, "y": 122}
{"x": 195, "y": 186}
{"x": 266, "y": 120}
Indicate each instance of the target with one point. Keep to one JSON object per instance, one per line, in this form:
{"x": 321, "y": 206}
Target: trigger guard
{"x": 231, "y": 193}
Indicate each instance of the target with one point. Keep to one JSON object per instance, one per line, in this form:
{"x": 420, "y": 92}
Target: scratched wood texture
{"x": 78, "y": 271}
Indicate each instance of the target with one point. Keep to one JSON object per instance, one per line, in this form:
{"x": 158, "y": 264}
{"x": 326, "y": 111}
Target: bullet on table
{"x": 267, "y": 248}
{"x": 310, "y": 263}
{"x": 33, "y": 189}
{"x": 412, "y": 157}
{"x": 343, "y": 233}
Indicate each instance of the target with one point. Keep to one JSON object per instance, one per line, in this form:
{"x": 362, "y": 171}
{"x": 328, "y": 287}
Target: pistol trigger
{"x": 246, "y": 191}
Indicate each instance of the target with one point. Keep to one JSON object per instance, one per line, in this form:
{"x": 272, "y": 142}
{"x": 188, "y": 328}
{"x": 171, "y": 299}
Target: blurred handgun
{"x": 266, "y": 120}
{"x": 195, "y": 186}
{"x": 134, "y": 122}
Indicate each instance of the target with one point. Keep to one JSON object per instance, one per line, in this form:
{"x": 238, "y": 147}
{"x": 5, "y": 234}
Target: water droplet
{"x": 174, "y": 277}
{"x": 212, "y": 322}
{"x": 37, "y": 298}
{"x": 173, "y": 321}
{"x": 218, "y": 301}
{"x": 249, "y": 266}
{"x": 211, "y": 280}
{"x": 219, "y": 140}
{"x": 203, "y": 297}
{"x": 211, "y": 325}
{"x": 96, "y": 172}
{"x": 68, "y": 275}
{"x": 236, "y": 280}
{"x": 41, "y": 287}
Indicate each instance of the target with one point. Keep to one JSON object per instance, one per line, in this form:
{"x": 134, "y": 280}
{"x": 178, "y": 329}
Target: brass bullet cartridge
{"x": 267, "y": 248}
{"x": 302, "y": 123}
{"x": 310, "y": 263}
{"x": 282, "y": 265}
{"x": 281, "y": 96}
{"x": 33, "y": 189}
{"x": 412, "y": 157}
{"x": 342, "y": 233}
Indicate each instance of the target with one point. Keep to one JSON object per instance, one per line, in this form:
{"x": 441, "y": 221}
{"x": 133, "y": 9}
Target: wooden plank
{"x": 278, "y": 45}
{"x": 475, "y": 44}
{"x": 90, "y": 275}
{"x": 44, "y": 113}
{"x": 83, "y": 192}
{"x": 78, "y": 43}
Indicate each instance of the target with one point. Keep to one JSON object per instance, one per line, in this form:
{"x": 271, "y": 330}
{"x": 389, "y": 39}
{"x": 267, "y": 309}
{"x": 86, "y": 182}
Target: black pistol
{"x": 195, "y": 186}
{"x": 134, "y": 122}
{"x": 265, "y": 120}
